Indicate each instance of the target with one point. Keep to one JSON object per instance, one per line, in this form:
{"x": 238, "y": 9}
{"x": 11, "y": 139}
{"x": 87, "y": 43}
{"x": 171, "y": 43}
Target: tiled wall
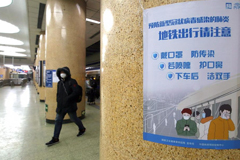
{"x": 122, "y": 88}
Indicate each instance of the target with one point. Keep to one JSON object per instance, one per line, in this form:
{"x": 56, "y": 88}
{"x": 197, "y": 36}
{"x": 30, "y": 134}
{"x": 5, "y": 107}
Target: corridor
{"x": 24, "y": 132}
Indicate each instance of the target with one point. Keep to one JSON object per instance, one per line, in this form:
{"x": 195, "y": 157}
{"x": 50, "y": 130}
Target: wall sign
{"x": 55, "y": 78}
{"x": 49, "y": 78}
{"x": 191, "y": 83}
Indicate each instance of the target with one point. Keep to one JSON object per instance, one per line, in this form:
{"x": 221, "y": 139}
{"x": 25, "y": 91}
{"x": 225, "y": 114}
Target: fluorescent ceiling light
{"x": 11, "y": 49}
{"x": 6, "y": 27}
{"x": 93, "y": 21}
{"x": 10, "y": 41}
{"x": 4, "y": 3}
{"x": 93, "y": 70}
{"x": 13, "y": 54}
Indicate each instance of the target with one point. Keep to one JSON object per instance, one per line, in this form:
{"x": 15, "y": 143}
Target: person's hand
{"x": 185, "y": 128}
{"x": 227, "y": 116}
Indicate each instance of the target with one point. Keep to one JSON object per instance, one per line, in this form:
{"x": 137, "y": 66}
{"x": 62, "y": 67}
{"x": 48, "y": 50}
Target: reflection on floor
{"x": 24, "y": 131}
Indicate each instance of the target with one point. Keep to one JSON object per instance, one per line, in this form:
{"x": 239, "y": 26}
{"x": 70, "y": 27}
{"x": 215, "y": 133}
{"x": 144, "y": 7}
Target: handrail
{"x": 4, "y": 82}
{"x": 13, "y": 82}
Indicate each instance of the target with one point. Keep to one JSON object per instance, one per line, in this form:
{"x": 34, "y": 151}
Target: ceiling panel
{"x": 33, "y": 15}
{"x": 32, "y": 3}
{"x": 89, "y": 27}
{"x": 39, "y": 1}
{"x": 17, "y": 14}
{"x": 90, "y": 13}
{"x": 93, "y": 5}
{"x": 96, "y": 17}
{"x": 33, "y": 10}
{"x": 92, "y": 31}
{"x": 97, "y": 27}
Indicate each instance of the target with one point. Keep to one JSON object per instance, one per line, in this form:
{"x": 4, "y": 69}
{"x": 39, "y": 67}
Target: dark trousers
{"x": 59, "y": 121}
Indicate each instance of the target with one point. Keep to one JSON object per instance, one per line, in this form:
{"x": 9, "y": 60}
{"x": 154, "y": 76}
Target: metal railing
{"x": 13, "y": 82}
{"x": 5, "y": 82}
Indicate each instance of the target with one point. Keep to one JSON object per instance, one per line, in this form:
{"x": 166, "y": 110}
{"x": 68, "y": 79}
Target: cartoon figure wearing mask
{"x": 219, "y": 127}
{"x": 186, "y": 126}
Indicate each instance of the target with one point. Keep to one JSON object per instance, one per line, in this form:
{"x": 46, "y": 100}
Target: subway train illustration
{"x": 213, "y": 96}
{"x": 162, "y": 113}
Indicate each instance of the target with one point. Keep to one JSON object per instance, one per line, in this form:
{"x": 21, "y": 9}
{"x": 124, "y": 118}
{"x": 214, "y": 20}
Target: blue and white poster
{"x": 191, "y": 79}
{"x": 49, "y": 78}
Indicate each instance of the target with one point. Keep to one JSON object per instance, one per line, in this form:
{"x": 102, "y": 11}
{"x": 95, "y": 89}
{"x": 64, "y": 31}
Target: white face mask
{"x": 203, "y": 115}
{"x": 63, "y": 75}
{"x": 224, "y": 116}
{"x": 186, "y": 117}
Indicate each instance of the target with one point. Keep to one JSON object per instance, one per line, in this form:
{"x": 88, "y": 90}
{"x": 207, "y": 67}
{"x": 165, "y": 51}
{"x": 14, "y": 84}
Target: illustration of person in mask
{"x": 205, "y": 123}
{"x": 219, "y": 127}
{"x": 196, "y": 117}
{"x": 186, "y": 126}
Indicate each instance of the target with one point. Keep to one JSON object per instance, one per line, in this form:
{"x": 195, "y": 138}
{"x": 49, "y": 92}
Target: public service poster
{"x": 191, "y": 74}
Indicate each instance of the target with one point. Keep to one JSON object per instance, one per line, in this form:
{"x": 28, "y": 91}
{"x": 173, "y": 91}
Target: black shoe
{"x": 81, "y": 132}
{"x": 52, "y": 142}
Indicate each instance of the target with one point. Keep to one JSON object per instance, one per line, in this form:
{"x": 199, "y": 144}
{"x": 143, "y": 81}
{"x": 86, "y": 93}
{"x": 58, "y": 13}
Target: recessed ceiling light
{"x": 93, "y": 21}
{"x": 6, "y": 27}
{"x": 4, "y": 3}
{"x": 11, "y": 49}
{"x": 12, "y": 54}
{"x": 10, "y": 41}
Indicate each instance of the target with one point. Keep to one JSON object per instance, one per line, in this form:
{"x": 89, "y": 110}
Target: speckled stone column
{"x": 122, "y": 89}
{"x": 41, "y": 89}
{"x": 65, "y": 46}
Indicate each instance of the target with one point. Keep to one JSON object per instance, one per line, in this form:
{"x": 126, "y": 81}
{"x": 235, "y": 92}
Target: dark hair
{"x": 197, "y": 113}
{"x": 208, "y": 112}
{"x": 187, "y": 110}
{"x": 225, "y": 107}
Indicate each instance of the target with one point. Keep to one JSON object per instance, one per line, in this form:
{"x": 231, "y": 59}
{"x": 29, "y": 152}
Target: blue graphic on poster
{"x": 191, "y": 75}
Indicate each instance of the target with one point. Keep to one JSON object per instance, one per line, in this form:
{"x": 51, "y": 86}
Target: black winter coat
{"x": 67, "y": 92}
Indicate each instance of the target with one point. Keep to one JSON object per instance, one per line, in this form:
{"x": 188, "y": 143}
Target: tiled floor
{"x": 24, "y": 132}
